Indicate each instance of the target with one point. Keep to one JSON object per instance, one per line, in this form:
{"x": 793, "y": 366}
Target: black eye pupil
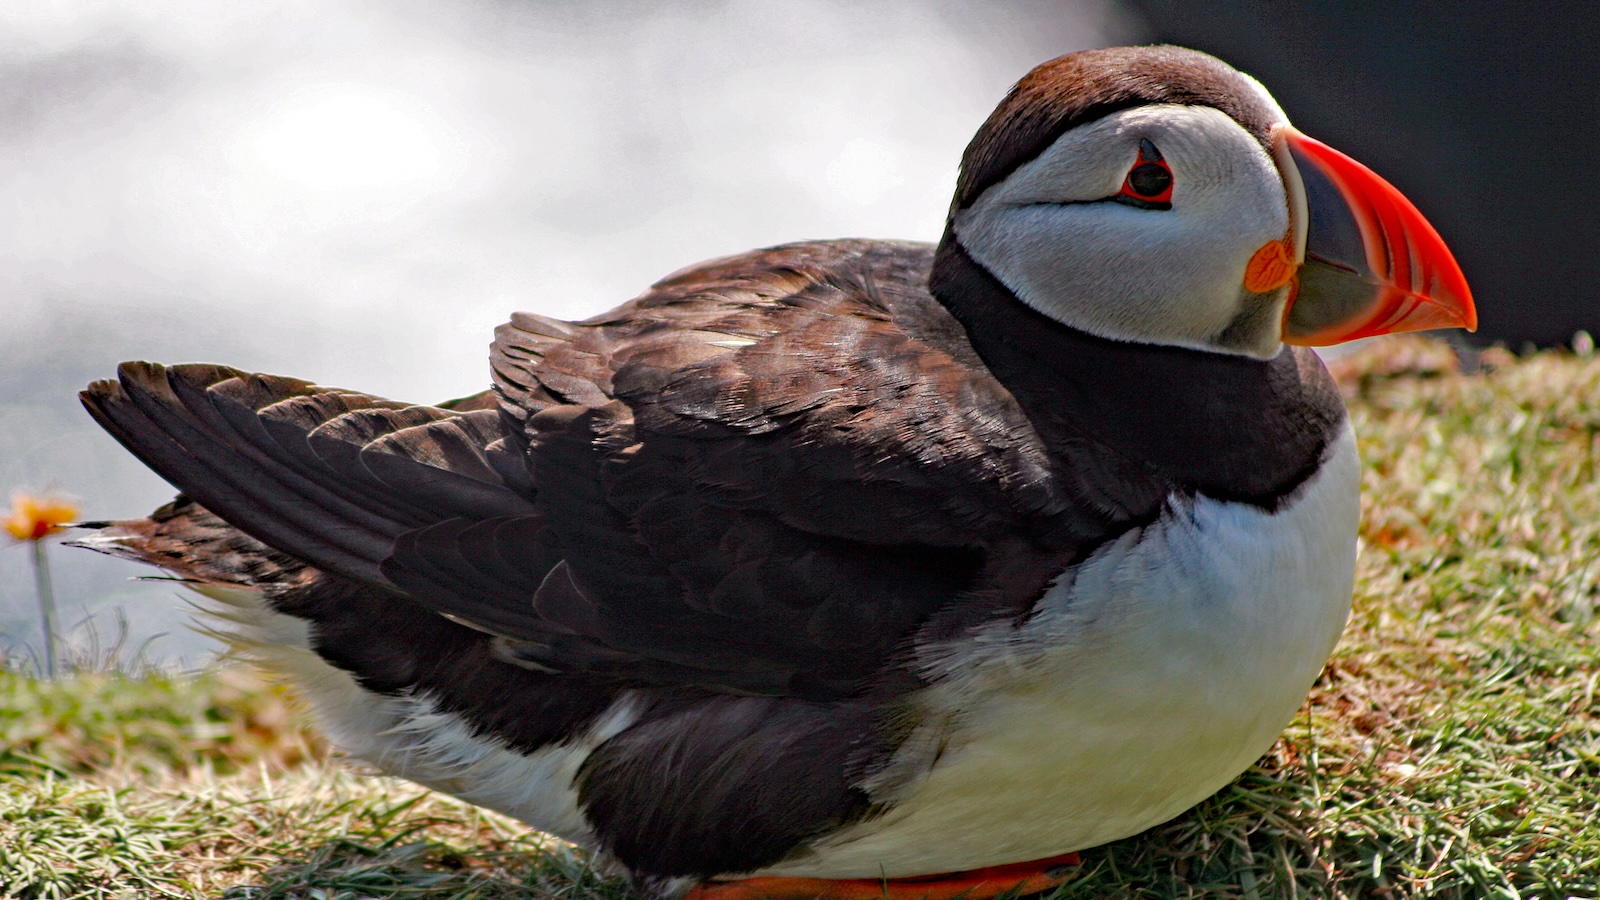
{"x": 1149, "y": 180}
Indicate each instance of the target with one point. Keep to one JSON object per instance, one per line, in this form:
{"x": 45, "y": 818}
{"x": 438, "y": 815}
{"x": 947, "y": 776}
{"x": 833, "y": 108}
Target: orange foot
{"x": 976, "y": 884}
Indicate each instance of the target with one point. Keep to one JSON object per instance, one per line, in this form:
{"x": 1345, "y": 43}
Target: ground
{"x": 1451, "y": 749}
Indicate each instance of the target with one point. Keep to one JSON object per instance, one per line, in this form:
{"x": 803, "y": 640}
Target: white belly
{"x": 407, "y": 734}
{"x": 1163, "y": 670}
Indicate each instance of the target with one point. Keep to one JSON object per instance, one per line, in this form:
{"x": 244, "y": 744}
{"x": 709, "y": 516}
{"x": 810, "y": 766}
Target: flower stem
{"x": 47, "y": 607}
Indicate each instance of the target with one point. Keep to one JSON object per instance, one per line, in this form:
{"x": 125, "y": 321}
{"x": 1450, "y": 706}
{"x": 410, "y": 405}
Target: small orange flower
{"x": 36, "y": 518}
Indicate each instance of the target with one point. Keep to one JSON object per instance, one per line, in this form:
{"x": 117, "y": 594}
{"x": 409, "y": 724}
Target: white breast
{"x": 1146, "y": 682}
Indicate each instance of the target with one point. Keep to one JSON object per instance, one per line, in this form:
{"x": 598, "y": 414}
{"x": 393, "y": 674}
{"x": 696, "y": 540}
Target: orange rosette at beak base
{"x": 1373, "y": 264}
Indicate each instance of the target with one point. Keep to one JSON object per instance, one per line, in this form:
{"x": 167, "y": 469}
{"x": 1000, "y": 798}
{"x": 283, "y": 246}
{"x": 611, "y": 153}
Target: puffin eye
{"x": 1149, "y": 183}
{"x": 1149, "y": 180}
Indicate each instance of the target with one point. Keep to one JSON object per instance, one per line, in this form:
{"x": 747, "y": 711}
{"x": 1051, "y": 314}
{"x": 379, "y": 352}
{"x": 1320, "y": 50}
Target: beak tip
{"x": 1371, "y": 234}
{"x": 1459, "y": 302}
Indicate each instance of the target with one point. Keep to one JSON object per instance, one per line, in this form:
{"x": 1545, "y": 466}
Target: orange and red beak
{"x": 1370, "y": 263}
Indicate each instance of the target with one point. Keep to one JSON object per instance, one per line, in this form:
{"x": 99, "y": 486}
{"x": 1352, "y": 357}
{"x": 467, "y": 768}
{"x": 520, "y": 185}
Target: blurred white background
{"x": 356, "y": 192}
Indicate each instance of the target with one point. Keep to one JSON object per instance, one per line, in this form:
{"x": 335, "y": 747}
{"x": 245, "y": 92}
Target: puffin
{"x": 847, "y": 568}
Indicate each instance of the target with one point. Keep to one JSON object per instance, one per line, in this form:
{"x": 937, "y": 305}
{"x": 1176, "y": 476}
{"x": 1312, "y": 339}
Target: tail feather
{"x": 185, "y": 445}
{"x": 196, "y": 545}
{"x": 328, "y": 476}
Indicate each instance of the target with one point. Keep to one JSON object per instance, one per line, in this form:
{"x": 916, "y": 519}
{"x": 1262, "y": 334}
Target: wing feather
{"x": 766, "y": 475}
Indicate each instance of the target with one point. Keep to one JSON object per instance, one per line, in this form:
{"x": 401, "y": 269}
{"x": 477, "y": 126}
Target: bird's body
{"x": 838, "y": 560}
{"x": 1219, "y": 634}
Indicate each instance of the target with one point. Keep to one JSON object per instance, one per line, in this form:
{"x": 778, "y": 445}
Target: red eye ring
{"x": 1148, "y": 185}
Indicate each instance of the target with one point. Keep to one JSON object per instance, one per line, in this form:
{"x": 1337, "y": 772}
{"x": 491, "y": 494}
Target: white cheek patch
{"x": 1050, "y": 233}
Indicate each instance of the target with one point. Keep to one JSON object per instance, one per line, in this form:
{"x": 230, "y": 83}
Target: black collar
{"x": 1230, "y": 427}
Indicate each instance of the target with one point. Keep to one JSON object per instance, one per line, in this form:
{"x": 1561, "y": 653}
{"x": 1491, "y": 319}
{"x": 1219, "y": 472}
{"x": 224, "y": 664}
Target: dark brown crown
{"x": 1080, "y": 87}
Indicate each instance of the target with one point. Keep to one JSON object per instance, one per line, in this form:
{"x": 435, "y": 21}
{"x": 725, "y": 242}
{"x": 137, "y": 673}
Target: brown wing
{"x": 763, "y": 476}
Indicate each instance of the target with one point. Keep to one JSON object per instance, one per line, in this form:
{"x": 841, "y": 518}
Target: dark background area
{"x": 1484, "y": 114}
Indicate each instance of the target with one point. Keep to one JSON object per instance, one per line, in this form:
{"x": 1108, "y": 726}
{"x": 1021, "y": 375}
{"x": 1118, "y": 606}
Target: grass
{"x": 148, "y": 786}
{"x": 1451, "y": 749}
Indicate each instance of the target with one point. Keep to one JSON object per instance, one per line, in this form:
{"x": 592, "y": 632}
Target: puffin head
{"x": 1157, "y": 195}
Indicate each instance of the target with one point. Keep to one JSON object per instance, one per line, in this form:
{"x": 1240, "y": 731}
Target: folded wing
{"x": 767, "y": 475}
